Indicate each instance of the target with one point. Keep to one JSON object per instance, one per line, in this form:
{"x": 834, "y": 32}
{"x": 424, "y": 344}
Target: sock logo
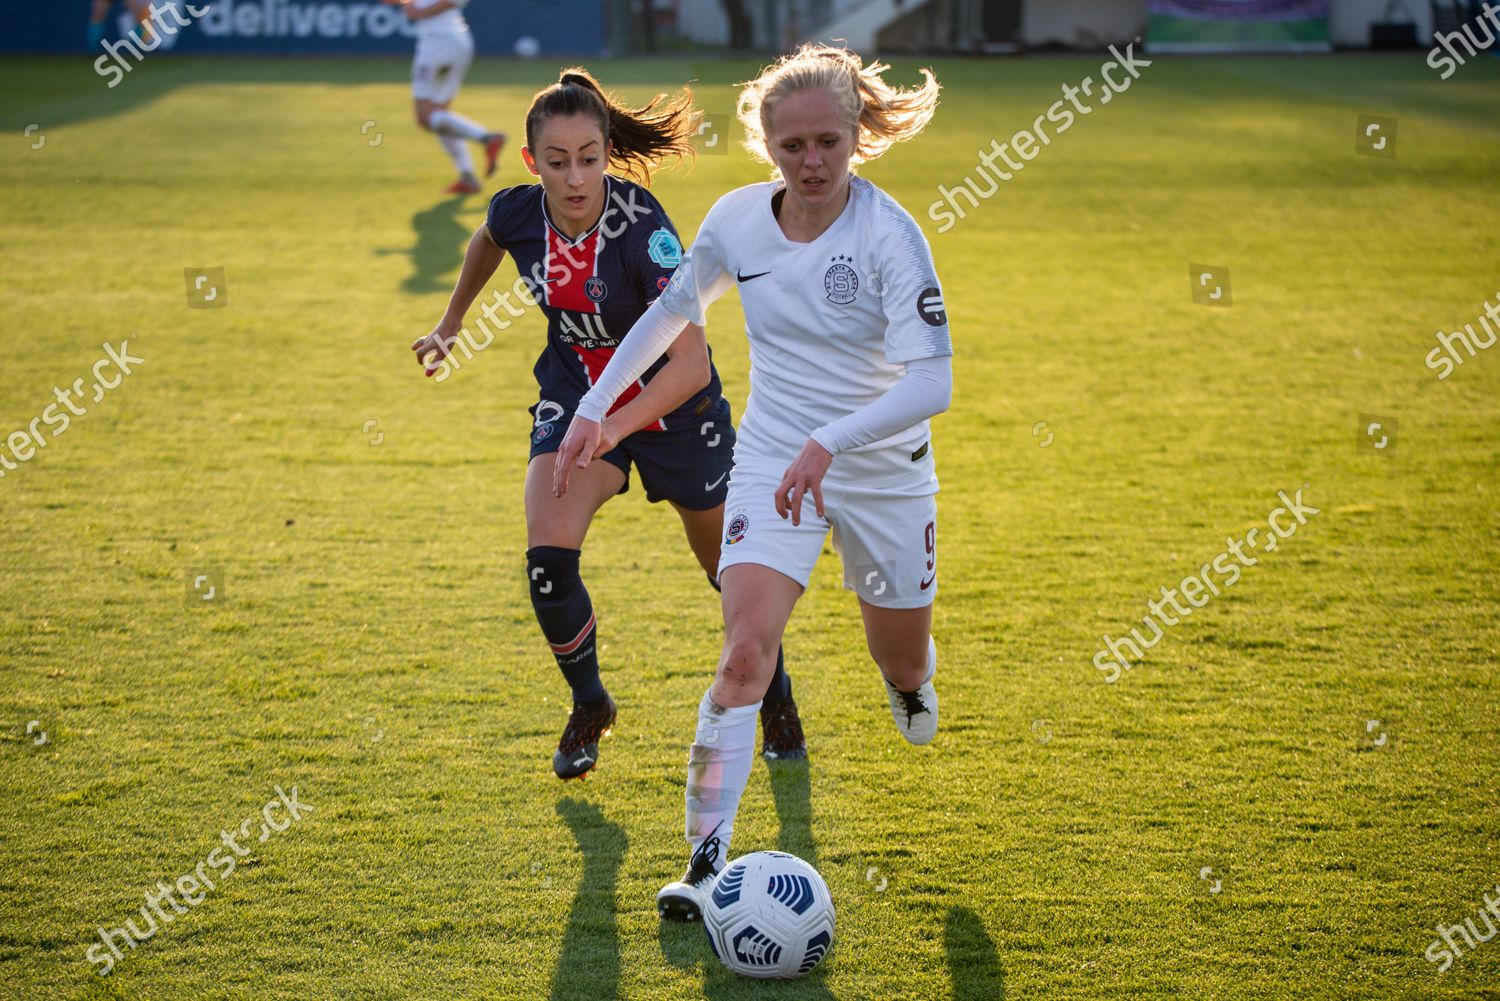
{"x": 537, "y": 573}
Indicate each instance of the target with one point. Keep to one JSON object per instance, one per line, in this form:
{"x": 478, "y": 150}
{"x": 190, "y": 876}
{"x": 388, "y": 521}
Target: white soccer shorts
{"x": 886, "y": 533}
{"x": 440, "y": 65}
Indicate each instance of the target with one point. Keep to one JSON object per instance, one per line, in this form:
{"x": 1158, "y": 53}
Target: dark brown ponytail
{"x": 640, "y": 138}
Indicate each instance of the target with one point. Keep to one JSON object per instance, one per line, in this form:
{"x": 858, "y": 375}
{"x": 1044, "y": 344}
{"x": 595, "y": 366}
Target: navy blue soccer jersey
{"x": 593, "y": 288}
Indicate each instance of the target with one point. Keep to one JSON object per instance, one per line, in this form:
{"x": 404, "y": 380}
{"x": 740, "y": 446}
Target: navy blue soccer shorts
{"x": 688, "y": 465}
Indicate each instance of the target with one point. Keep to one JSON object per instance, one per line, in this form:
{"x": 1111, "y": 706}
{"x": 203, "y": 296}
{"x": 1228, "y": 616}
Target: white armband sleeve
{"x": 639, "y": 349}
{"x": 925, "y": 390}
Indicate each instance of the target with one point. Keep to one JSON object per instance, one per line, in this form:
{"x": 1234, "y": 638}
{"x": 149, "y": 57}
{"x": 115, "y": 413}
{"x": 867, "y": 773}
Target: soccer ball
{"x": 769, "y": 915}
{"x": 527, "y": 47}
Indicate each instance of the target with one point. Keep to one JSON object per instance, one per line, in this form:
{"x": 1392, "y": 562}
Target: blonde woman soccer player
{"x": 444, "y": 51}
{"x": 850, "y": 356}
{"x": 596, "y": 249}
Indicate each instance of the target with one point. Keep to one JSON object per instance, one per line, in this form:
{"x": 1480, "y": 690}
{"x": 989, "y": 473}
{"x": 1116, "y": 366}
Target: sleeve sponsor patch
{"x": 664, "y": 248}
{"x": 930, "y": 306}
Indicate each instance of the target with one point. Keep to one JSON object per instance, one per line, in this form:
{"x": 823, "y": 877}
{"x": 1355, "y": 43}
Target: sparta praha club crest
{"x": 840, "y": 281}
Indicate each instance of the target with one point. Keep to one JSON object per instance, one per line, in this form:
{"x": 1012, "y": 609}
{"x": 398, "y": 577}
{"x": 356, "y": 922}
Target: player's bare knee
{"x": 751, "y": 648}
{"x": 905, "y": 672}
{"x": 746, "y": 664}
{"x": 733, "y": 690}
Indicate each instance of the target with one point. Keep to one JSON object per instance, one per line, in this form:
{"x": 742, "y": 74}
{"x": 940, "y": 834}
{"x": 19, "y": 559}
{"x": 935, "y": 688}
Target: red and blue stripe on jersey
{"x": 592, "y": 288}
{"x": 572, "y": 270}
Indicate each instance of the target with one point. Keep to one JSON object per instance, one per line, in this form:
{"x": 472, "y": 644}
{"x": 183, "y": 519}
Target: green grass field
{"x": 1322, "y": 737}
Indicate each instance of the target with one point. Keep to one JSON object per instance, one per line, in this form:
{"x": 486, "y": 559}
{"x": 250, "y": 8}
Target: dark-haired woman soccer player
{"x": 849, "y": 357}
{"x": 595, "y": 250}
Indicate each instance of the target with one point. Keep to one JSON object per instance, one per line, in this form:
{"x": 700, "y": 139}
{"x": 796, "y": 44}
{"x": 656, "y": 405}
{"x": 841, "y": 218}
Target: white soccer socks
{"x": 718, "y": 768}
{"x": 916, "y": 713}
{"x": 719, "y": 765}
{"x": 458, "y": 152}
{"x": 451, "y": 123}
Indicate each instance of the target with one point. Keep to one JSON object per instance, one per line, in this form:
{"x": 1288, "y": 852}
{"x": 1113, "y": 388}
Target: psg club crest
{"x": 541, "y": 434}
{"x": 840, "y": 281}
{"x": 594, "y": 288}
{"x": 738, "y": 526}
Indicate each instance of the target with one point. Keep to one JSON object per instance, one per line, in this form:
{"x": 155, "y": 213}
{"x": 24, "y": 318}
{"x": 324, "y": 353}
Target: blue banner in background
{"x": 314, "y": 27}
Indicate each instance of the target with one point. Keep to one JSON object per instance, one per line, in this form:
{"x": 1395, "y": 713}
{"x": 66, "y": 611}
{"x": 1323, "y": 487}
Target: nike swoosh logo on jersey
{"x": 928, "y": 582}
{"x": 710, "y": 486}
{"x": 745, "y": 278}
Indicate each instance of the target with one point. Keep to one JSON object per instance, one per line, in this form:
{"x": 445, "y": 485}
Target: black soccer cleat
{"x": 578, "y": 750}
{"x": 781, "y": 732}
{"x": 684, "y": 899}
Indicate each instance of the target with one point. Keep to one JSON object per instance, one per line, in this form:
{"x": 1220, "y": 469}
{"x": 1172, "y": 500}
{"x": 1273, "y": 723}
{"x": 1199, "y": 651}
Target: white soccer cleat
{"x": 685, "y": 899}
{"x": 915, "y": 713}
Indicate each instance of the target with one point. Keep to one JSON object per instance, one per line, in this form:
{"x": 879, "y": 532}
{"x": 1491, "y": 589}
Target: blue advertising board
{"x": 313, "y": 27}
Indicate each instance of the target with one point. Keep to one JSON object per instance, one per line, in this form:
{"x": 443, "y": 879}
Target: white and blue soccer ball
{"x": 769, "y": 914}
{"x": 527, "y": 47}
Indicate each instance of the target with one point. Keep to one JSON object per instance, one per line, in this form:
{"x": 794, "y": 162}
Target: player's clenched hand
{"x": 804, "y": 475}
{"x": 585, "y": 441}
{"x": 432, "y": 349}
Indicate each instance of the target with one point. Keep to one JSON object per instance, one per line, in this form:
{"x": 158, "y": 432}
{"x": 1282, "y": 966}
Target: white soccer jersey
{"x": 449, "y": 22}
{"x": 831, "y": 323}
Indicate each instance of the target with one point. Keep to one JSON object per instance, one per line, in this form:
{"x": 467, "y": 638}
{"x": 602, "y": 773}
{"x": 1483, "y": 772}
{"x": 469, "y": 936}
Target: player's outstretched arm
{"x": 652, "y": 335}
{"x": 686, "y": 372}
{"x": 414, "y": 14}
{"x": 480, "y": 262}
{"x": 923, "y": 392}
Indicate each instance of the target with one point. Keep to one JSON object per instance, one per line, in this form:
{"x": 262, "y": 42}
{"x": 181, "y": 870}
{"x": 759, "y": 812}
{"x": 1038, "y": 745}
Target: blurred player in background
{"x": 849, "y": 358}
{"x": 595, "y": 249}
{"x": 445, "y": 48}
{"x": 99, "y": 14}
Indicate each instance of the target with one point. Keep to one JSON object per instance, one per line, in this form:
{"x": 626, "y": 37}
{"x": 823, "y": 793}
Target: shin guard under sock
{"x": 566, "y": 615}
{"x": 718, "y": 768}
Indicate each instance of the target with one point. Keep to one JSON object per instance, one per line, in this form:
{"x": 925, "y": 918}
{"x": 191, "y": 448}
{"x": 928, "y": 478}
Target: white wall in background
{"x": 1085, "y": 24}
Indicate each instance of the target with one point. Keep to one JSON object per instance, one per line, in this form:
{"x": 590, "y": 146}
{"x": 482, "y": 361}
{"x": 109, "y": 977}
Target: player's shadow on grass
{"x": 589, "y": 965}
{"x": 439, "y": 249}
{"x": 973, "y": 962}
{"x": 791, "y": 787}
{"x": 685, "y": 945}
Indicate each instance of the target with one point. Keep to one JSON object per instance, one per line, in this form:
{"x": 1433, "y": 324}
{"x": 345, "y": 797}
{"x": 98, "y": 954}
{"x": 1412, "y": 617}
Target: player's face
{"x": 570, "y": 157}
{"x": 811, "y": 142}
